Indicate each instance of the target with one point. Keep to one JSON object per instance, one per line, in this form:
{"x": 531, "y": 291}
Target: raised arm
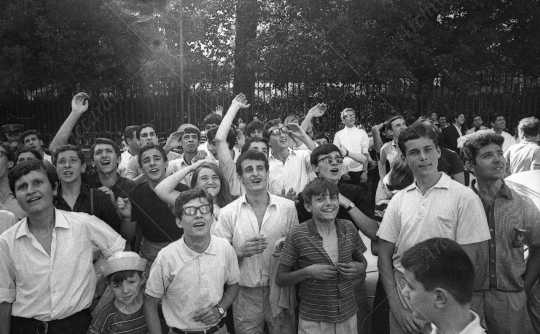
{"x": 377, "y": 140}
{"x": 165, "y": 189}
{"x": 224, "y": 155}
{"x": 365, "y": 224}
{"x": 79, "y": 105}
{"x": 296, "y": 131}
{"x": 316, "y": 111}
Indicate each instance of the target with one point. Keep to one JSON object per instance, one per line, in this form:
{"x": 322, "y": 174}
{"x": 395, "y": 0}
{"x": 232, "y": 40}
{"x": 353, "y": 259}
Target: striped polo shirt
{"x": 323, "y": 300}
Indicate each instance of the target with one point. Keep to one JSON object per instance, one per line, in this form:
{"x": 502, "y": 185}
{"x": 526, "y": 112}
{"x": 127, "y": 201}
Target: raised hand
{"x": 124, "y": 207}
{"x": 174, "y": 140}
{"x": 240, "y": 101}
{"x": 318, "y": 110}
{"x": 79, "y": 103}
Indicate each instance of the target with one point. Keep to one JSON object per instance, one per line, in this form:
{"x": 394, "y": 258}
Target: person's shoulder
{"x": 105, "y": 314}
{"x": 139, "y": 188}
{"x": 299, "y": 230}
{"x": 349, "y": 226}
{"x": 11, "y": 232}
{"x": 231, "y": 207}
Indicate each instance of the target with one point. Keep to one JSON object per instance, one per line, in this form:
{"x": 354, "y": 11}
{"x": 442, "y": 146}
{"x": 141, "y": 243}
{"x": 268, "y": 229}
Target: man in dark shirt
{"x": 145, "y": 209}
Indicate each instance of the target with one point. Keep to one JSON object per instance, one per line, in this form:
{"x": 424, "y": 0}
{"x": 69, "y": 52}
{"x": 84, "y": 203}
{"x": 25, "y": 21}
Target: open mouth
{"x": 68, "y": 173}
{"x": 154, "y": 170}
{"x": 328, "y": 210}
{"x": 33, "y": 199}
{"x": 200, "y": 224}
{"x": 256, "y": 181}
{"x": 334, "y": 170}
{"x": 105, "y": 162}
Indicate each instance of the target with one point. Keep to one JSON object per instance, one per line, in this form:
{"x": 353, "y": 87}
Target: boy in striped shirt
{"x": 327, "y": 253}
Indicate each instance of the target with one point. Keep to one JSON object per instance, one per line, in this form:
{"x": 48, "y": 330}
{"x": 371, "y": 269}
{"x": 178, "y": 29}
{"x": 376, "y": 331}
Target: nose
{"x": 125, "y": 287}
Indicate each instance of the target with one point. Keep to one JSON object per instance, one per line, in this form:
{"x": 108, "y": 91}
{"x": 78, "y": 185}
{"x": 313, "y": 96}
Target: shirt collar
{"x": 59, "y": 222}
{"x": 443, "y": 183}
{"x": 187, "y": 254}
{"x": 273, "y": 202}
{"x": 504, "y": 191}
{"x": 312, "y": 229}
{"x": 271, "y": 155}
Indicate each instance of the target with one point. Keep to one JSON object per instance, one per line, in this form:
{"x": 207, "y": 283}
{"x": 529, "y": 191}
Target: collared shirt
{"x": 509, "y": 140}
{"x": 474, "y": 327}
{"x": 446, "y": 210}
{"x": 49, "y": 287}
{"x": 120, "y": 188}
{"x": 103, "y": 208}
{"x": 47, "y": 157}
{"x": 238, "y": 223}
{"x": 133, "y": 168}
{"x": 500, "y": 266}
{"x": 9, "y": 203}
{"x": 458, "y": 128}
{"x": 354, "y": 140}
{"x": 122, "y": 166}
{"x": 329, "y": 300}
{"x": 177, "y": 165}
{"x": 7, "y": 219}
{"x": 187, "y": 281}
{"x": 393, "y": 153}
{"x": 295, "y": 173}
{"x": 523, "y": 157}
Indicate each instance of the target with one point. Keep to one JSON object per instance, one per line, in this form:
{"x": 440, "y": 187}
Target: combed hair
{"x": 69, "y": 147}
{"x": 245, "y": 148}
{"x": 120, "y": 276}
{"x": 251, "y": 155}
{"x": 318, "y": 187}
{"x": 148, "y": 147}
{"x": 142, "y": 126}
{"x": 254, "y": 125}
{"x": 497, "y": 115}
{"x": 34, "y": 152}
{"x": 105, "y": 141}
{"x": 323, "y": 150}
{"x": 188, "y": 195}
{"x": 28, "y": 133}
{"x": 270, "y": 124}
{"x": 212, "y": 119}
{"x": 530, "y": 126}
{"x": 26, "y": 167}
{"x": 416, "y": 131}
{"x": 476, "y": 141}
{"x": 129, "y": 131}
{"x": 224, "y": 196}
{"x": 388, "y": 123}
{"x": 321, "y": 136}
{"x": 401, "y": 176}
{"x": 441, "y": 263}
{"x": 231, "y": 137}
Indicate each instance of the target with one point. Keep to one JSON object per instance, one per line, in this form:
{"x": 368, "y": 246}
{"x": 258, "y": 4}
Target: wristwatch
{"x": 221, "y": 311}
{"x": 351, "y": 206}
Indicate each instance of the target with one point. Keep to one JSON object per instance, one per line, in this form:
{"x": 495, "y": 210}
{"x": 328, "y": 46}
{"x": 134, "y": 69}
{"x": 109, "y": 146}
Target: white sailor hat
{"x": 123, "y": 261}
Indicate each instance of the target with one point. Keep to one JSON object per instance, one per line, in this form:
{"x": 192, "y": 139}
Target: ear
{"x": 55, "y": 189}
{"x": 83, "y": 167}
{"x": 438, "y": 151}
{"x": 442, "y": 297}
{"x": 11, "y": 164}
{"x": 469, "y": 166}
{"x": 308, "y": 207}
{"x": 143, "y": 277}
{"x": 315, "y": 169}
{"x": 179, "y": 222}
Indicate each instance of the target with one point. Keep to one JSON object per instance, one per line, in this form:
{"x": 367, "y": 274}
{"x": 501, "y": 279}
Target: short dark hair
{"x": 268, "y": 125}
{"x": 129, "y": 131}
{"x": 28, "y": 133}
{"x": 476, "y": 115}
{"x": 476, "y": 141}
{"x": 319, "y": 186}
{"x": 9, "y": 151}
{"x": 416, "y": 131}
{"x": 321, "y": 136}
{"x": 444, "y": 115}
{"x": 497, "y": 115}
{"x": 212, "y": 119}
{"x": 193, "y": 129}
{"x": 322, "y": 150}
{"x": 34, "y": 152}
{"x": 441, "y": 263}
{"x": 69, "y": 147}
{"x": 141, "y": 127}
{"x": 248, "y": 142}
{"x": 120, "y": 276}
{"x": 254, "y": 125}
{"x": 251, "y": 155}
{"x": 188, "y": 195}
{"x": 149, "y": 147}
{"x": 106, "y": 141}
{"x": 530, "y": 126}
{"x": 390, "y": 120}
{"x": 29, "y": 166}
{"x": 400, "y": 177}
{"x": 231, "y": 137}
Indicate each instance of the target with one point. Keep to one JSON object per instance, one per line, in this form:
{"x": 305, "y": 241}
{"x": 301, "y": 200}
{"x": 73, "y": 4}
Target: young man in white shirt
{"x": 498, "y": 124}
{"x": 525, "y": 155}
{"x": 133, "y": 148}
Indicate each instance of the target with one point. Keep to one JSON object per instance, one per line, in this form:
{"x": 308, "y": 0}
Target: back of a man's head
{"x": 441, "y": 263}
{"x": 530, "y": 127}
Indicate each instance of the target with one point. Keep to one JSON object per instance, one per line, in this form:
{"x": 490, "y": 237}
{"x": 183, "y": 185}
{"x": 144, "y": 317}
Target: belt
{"x": 206, "y": 331}
{"x": 42, "y": 327}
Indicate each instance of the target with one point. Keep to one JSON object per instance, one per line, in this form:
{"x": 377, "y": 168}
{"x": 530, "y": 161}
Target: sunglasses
{"x": 276, "y": 132}
{"x": 192, "y": 210}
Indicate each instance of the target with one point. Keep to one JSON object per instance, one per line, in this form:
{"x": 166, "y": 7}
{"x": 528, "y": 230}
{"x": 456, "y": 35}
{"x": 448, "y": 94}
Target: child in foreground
{"x": 328, "y": 254}
{"x": 440, "y": 282}
{"x": 125, "y": 275}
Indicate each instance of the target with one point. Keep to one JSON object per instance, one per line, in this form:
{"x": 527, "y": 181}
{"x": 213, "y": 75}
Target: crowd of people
{"x": 262, "y": 228}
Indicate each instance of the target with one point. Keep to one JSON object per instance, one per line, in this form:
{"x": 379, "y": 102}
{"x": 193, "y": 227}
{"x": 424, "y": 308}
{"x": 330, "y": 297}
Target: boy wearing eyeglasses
{"x": 189, "y": 275}
{"x": 327, "y": 253}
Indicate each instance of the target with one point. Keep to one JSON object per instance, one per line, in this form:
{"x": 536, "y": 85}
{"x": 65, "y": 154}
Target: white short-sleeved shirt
{"x": 447, "y": 210}
{"x": 53, "y": 287}
{"x": 523, "y": 157}
{"x": 122, "y": 166}
{"x": 237, "y": 223}
{"x": 187, "y": 281}
{"x": 7, "y": 219}
{"x": 295, "y": 173}
{"x": 509, "y": 140}
{"x": 393, "y": 153}
{"x": 354, "y": 140}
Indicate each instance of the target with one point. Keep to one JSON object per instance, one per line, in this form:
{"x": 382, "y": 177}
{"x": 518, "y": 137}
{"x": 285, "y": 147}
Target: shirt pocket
{"x": 443, "y": 226}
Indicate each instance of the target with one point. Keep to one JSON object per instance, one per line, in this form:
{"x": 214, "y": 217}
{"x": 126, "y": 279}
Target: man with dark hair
{"x": 504, "y": 279}
{"x": 476, "y": 123}
{"x": 442, "y": 122}
{"x": 498, "y": 124}
{"x": 433, "y": 206}
{"x": 133, "y": 148}
{"x": 525, "y": 155}
{"x": 450, "y": 135}
{"x": 390, "y": 151}
{"x": 28, "y": 153}
{"x": 13, "y": 134}
{"x": 440, "y": 280}
{"x": 255, "y": 129}
{"x": 47, "y": 280}
{"x": 33, "y": 139}
{"x": 190, "y": 274}
{"x": 8, "y": 201}
{"x": 251, "y": 223}
{"x": 143, "y": 208}
{"x": 321, "y": 139}
{"x": 256, "y": 143}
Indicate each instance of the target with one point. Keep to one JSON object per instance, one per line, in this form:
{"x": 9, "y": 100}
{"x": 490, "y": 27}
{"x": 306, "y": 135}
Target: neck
{"x": 426, "y": 183}
{"x": 4, "y": 186}
{"x": 281, "y": 153}
{"x": 108, "y": 179}
{"x": 43, "y": 221}
{"x": 153, "y": 184}
{"x": 258, "y": 199}
{"x": 197, "y": 244}
{"x": 133, "y": 151}
{"x": 488, "y": 188}
{"x": 457, "y": 125}
{"x": 72, "y": 189}
{"x": 454, "y": 321}
{"x": 324, "y": 226}
{"x": 130, "y": 308}
{"x": 188, "y": 156}
{"x": 497, "y": 130}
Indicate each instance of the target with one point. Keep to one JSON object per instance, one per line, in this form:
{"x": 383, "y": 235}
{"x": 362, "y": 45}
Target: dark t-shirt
{"x": 351, "y": 191}
{"x": 449, "y": 162}
{"x": 153, "y": 216}
{"x": 120, "y": 188}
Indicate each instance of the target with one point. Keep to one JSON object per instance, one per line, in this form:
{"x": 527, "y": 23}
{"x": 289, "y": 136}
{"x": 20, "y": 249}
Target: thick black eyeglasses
{"x": 192, "y": 210}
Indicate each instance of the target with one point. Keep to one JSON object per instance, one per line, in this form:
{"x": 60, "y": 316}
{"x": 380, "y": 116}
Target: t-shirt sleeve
{"x": 159, "y": 278}
{"x": 100, "y": 324}
{"x": 359, "y": 247}
{"x": 472, "y": 224}
{"x": 391, "y": 224}
{"x": 232, "y": 266}
{"x": 365, "y": 142}
{"x": 289, "y": 253}
{"x": 336, "y": 139}
{"x": 535, "y": 161}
